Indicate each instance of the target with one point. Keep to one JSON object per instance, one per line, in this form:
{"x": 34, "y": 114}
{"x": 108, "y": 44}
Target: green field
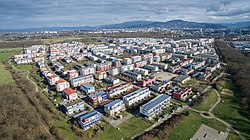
{"x": 208, "y": 102}
{"x": 25, "y": 67}
{"x": 126, "y": 130}
{"x": 5, "y": 54}
{"x": 230, "y": 110}
{"x": 188, "y": 127}
{"x": 5, "y": 77}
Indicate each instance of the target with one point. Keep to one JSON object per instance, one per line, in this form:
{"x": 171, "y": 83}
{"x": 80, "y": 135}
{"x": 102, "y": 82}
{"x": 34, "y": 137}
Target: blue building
{"x": 88, "y": 88}
{"x": 155, "y": 106}
{"x": 89, "y": 119}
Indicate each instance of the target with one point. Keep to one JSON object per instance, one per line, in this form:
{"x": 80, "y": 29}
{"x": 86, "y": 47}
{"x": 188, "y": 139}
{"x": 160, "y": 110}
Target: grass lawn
{"x": 25, "y": 67}
{"x": 126, "y": 130}
{"x": 5, "y": 54}
{"x": 5, "y": 77}
{"x": 230, "y": 109}
{"x": 8, "y": 52}
{"x": 188, "y": 127}
{"x": 207, "y": 103}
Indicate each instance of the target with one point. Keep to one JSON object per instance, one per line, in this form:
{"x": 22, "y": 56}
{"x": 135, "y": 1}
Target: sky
{"x": 16, "y": 14}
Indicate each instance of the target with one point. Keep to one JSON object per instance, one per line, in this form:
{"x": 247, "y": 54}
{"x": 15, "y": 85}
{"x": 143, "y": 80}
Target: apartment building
{"x": 87, "y": 71}
{"x": 97, "y": 97}
{"x": 88, "y": 88}
{"x": 88, "y": 119}
{"x": 119, "y": 89}
{"x": 75, "y": 82}
{"x": 136, "y": 96}
{"x": 70, "y": 107}
{"x": 133, "y": 75}
{"x": 155, "y": 106}
{"x": 51, "y": 79}
{"x": 61, "y": 85}
{"x": 114, "y": 108}
{"x": 69, "y": 94}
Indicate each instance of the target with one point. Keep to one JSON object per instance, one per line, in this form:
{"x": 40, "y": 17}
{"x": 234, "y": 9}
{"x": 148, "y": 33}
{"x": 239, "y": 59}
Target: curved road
{"x": 27, "y": 76}
{"x": 212, "y": 116}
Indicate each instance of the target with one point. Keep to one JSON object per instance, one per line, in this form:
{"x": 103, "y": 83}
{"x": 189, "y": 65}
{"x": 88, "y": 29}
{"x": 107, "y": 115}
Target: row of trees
{"x": 238, "y": 66}
{"x": 163, "y": 130}
{"x": 25, "y": 114}
{"x": 19, "y": 44}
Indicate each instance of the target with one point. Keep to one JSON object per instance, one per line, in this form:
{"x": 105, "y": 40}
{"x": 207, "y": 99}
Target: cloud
{"x": 39, "y": 13}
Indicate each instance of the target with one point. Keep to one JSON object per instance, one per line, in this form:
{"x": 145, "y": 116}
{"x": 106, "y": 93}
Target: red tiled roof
{"x": 69, "y": 91}
{"x": 61, "y": 81}
{"x": 53, "y": 76}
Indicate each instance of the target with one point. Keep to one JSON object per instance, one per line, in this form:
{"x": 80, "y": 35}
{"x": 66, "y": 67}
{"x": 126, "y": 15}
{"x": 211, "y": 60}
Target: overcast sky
{"x": 43, "y": 13}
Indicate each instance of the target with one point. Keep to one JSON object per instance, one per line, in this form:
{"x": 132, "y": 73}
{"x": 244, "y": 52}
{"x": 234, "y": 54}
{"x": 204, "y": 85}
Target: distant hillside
{"x": 138, "y": 24}
{"x": 237, "y": 24}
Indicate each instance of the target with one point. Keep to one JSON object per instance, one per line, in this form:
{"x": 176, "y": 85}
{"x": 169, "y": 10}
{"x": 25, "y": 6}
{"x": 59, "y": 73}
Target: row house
{"x": 61, "y": 85}
{"x": 146, "y": 81}
{"x": 104, "y": 66}
{"x": 127, "y": 61}
{"x": 119, "y": 89}
{"x": 136, "y": 96}
{"x": 205, "y": 75}
{"x": 51, "y": 79}
{"x": 133, "y": 75}
{"x": 69, "y": 94}
{"x": 161, "y": 65}
{"x": 160, "y": 86}
{"x": 155, "y": 107}
{"x": 136, "y": 59}
{"x": 142, "y": 71}
{"x": 114, "y": 71}
{"x": 75, "y": 82}
{"x": 97, "y": 97}
{"x": 88, "y": 88}
{"x": 157, "y": 58}
{"x": 87, "y": 120}
{"x": 70, "y": 107}
{"x": 87, "y": 70}
{"x": 23, "y": 61}
{"x": 127, "y": 68}
{"x": 112, "y": 80}
{"x": 151, "y": 68}
{"x": 114, "y": 108}
{"x": 72, "y": 74}
{"x": 182, "y": 93}
{"x": 197, "y": 65}
{"x": 100, "y": 75}
{"x": 141, "y": 63}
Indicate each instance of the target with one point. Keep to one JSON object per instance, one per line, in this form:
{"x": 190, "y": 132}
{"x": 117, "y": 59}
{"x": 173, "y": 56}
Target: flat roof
{"x": 113, "y": 103}
{"x": 153, "y": 103}
{"x": 88, "y": 115}
{"x": 164, "y": 76}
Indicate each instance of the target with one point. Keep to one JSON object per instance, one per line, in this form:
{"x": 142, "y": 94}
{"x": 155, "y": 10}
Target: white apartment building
{"x": 136, "y": 96}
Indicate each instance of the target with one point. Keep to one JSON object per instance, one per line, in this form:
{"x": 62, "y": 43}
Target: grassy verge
{"x": 25, "y": 67}
{"x": 126, "y": 130}
{"x": 230, "y": 110}
{"x": 5, "y": 77}
{"x": 207, "y": 102}
{"x": 188, "y": 127}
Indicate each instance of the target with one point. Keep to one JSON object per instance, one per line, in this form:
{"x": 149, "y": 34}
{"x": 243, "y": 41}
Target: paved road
{"x": 27, "y": 75}
{"x": 211, "y": 115}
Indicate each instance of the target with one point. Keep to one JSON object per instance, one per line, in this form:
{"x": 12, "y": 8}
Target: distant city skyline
{"x": 16, "y": 14}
